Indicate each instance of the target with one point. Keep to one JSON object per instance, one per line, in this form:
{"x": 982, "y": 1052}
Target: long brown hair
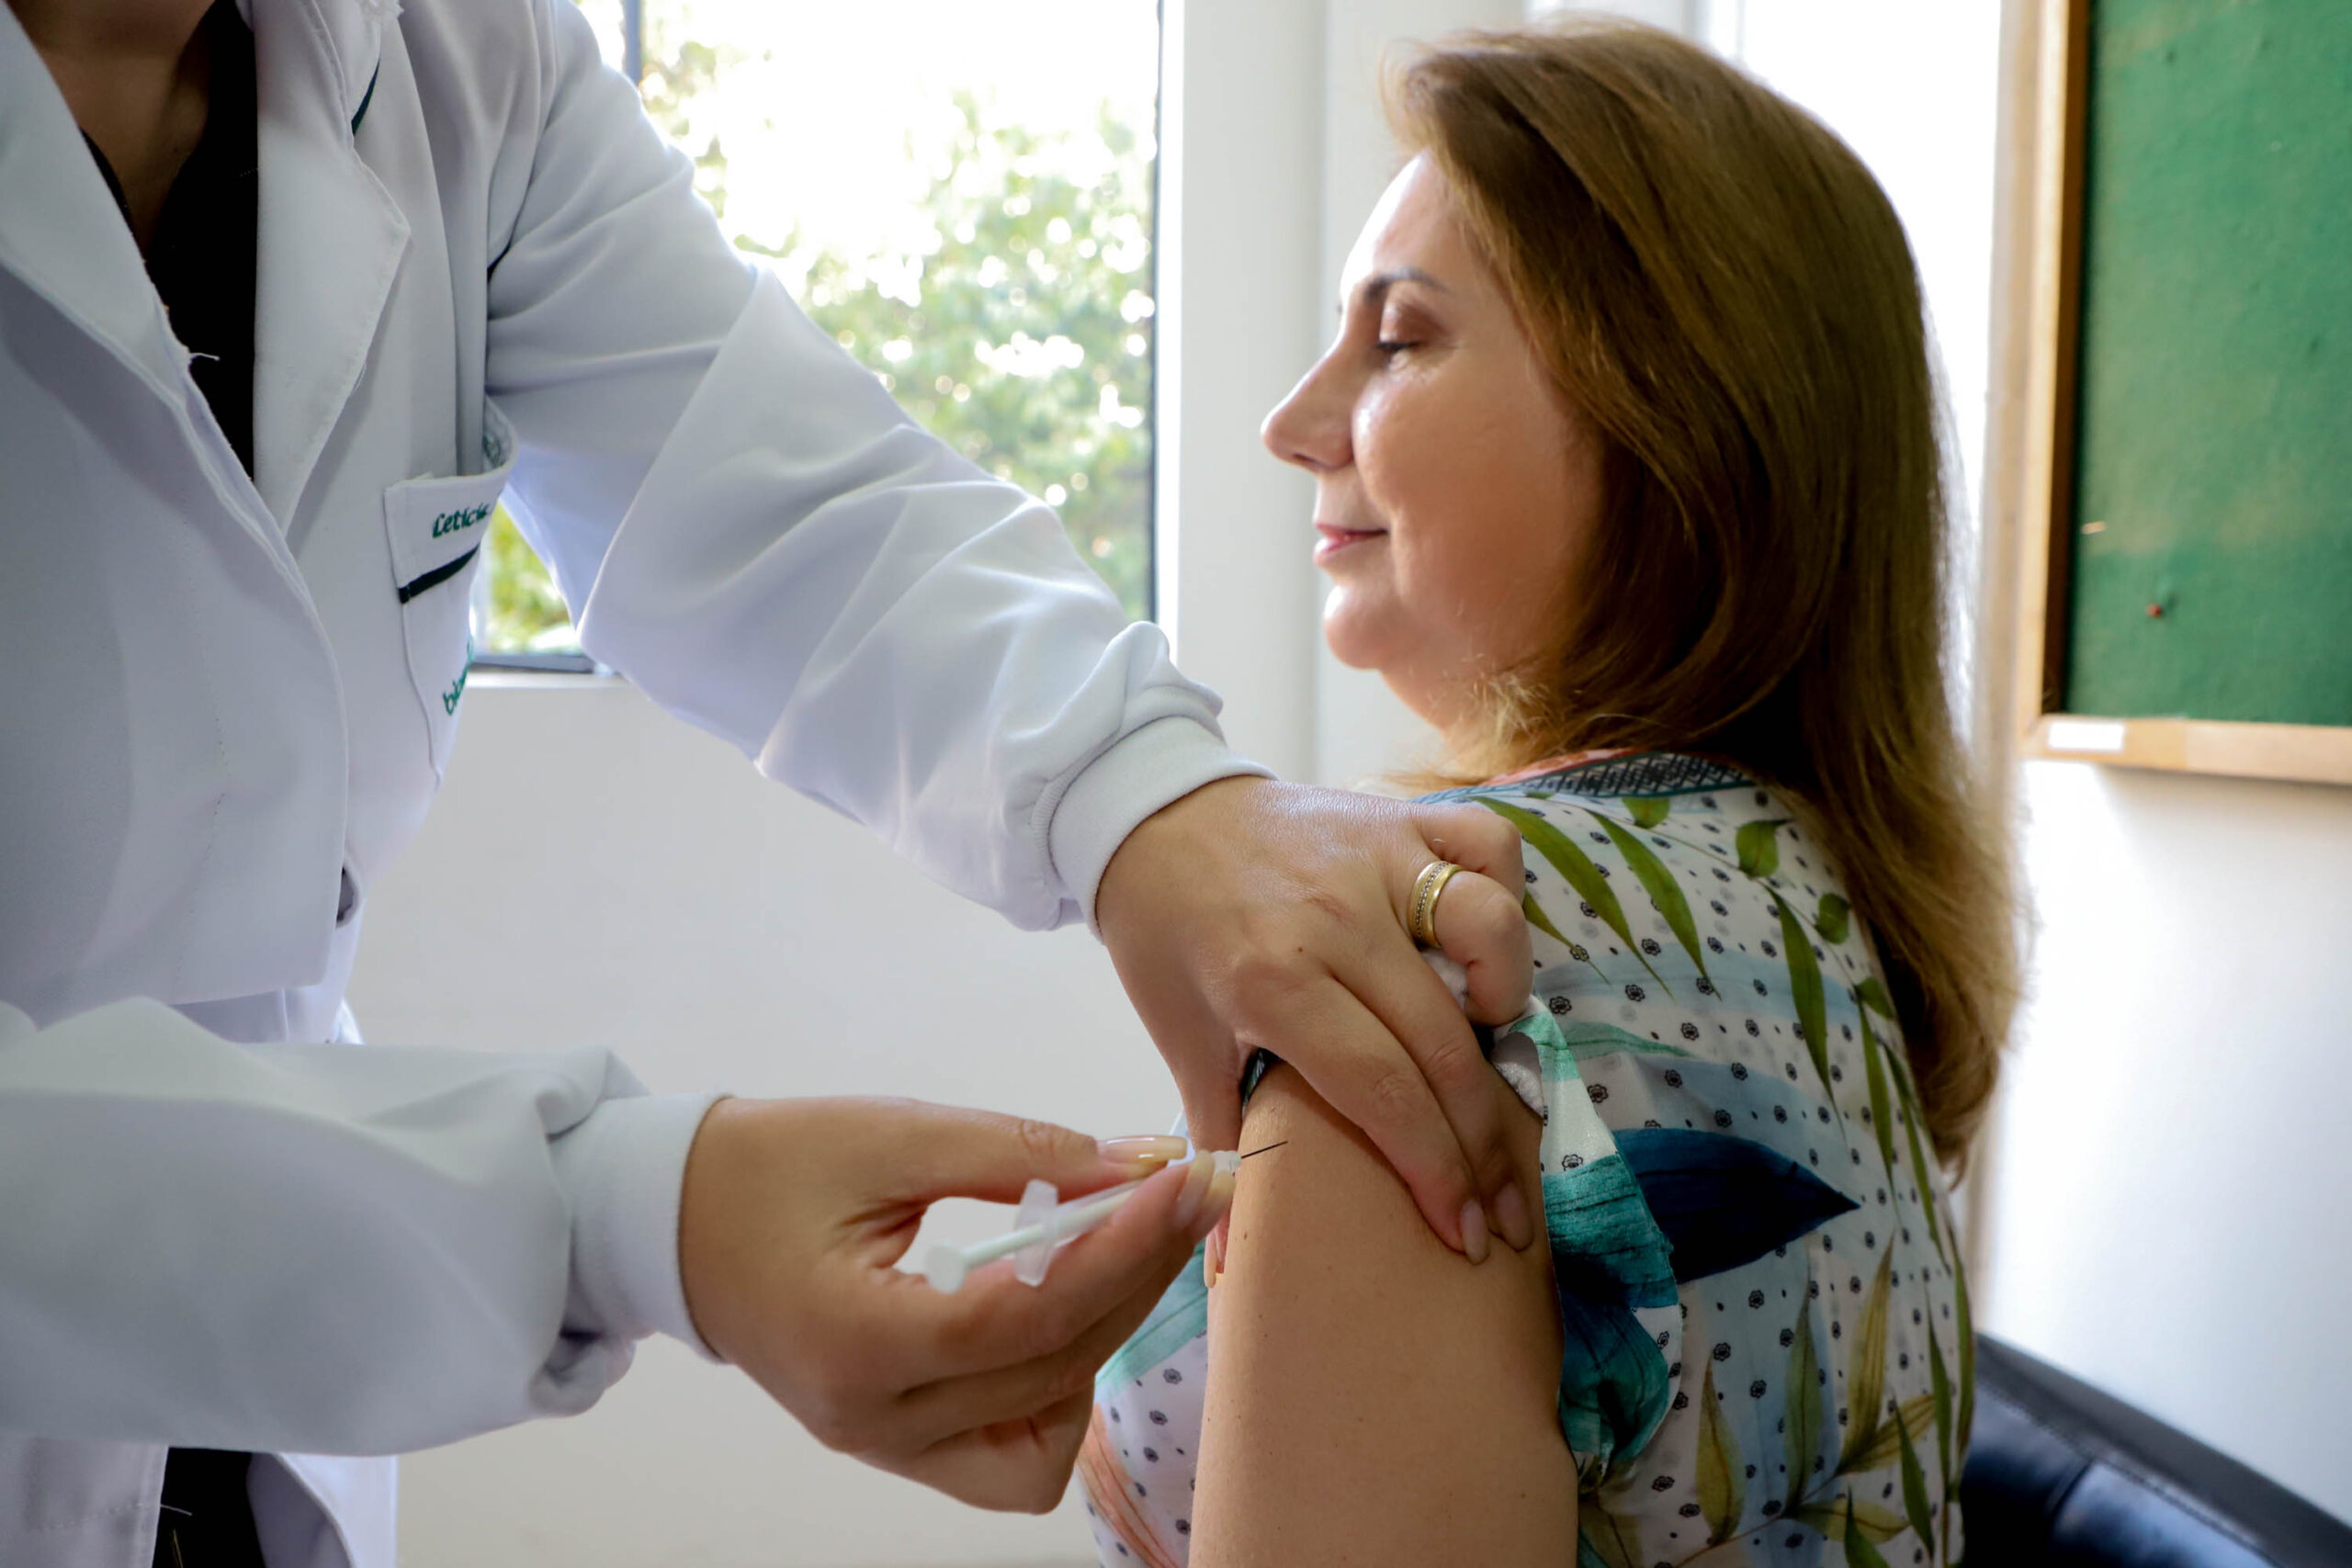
{"x": 1718, "y": 285}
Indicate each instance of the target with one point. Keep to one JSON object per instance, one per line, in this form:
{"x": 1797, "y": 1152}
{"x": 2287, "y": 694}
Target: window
{"x": 963, "y": 196}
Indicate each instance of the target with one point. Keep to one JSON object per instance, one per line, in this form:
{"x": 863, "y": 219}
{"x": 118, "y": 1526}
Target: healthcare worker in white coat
{"x": 291, "y": 293}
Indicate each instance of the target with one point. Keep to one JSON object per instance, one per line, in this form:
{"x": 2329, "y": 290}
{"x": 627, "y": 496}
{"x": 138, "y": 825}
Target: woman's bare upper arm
{"x": 1373, "y": 1396}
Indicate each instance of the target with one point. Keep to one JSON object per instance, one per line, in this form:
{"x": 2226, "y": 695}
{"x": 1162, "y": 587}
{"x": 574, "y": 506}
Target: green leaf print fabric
{"x": 1766, "y": 1353}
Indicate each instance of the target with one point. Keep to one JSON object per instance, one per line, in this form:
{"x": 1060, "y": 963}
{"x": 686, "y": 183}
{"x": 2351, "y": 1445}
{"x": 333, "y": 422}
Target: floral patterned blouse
{"x": 1768, "y": 1358}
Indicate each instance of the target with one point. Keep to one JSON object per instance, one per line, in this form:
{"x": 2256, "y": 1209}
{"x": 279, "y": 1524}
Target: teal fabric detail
{"x": 1180, "y": 1317}
{"x": 1609, "y": 1260}
{"x": 1538, "y": 1025}
{"x": 1596, "y": 1213}
{"x": 1586, "y": 1040}
{"x": 1613, "y": 1384}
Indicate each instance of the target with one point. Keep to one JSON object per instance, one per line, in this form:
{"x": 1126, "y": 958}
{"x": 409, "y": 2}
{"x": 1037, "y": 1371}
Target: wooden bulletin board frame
{"x": 2053, "y": 245}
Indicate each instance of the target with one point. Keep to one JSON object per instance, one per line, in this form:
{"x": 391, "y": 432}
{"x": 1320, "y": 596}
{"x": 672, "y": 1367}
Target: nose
{"x": 1310, "y": 427}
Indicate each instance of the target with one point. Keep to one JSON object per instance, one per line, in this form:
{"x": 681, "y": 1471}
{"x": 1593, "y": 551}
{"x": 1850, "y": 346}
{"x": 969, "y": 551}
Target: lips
{"x": 1335, "y": 539}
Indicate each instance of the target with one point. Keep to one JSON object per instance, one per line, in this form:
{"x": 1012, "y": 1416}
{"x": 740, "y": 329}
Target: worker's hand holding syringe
{"x": 1045, "y": 1225}
{"x": 797, "y": 1212}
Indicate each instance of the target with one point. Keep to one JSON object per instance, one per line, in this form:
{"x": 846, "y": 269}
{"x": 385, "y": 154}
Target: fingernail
{"x": 1153, "y": 1149}
{"x": 1511, "y": 1215}
{"x": 1220, "y": 1194}
{"x": 1212, "y": 1263}
{"x": 1474, "y": 1232}
{"x": 1198, "y": 1178}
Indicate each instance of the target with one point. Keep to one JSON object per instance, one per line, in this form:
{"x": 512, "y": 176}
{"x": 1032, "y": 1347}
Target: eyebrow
{"x": 1373, "y": 290}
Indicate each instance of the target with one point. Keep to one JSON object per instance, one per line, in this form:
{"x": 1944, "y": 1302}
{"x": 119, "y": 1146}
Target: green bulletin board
{"x": 2210, "y": 518}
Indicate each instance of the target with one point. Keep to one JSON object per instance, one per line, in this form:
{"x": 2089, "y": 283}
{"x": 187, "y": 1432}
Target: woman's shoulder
{"x": 1650, "y": 873}
{"x": 1619, "y": 775}
{"x": 1685, "y": 922}
{"x": 1687, "y": 840}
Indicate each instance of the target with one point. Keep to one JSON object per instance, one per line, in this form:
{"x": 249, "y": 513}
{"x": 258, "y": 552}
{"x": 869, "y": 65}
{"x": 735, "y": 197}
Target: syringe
{"x": 1042, "y": 1225}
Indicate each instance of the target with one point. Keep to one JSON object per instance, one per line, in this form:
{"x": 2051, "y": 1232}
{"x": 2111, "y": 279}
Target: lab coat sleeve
{"x": 764, "y": 542}
{"x": 321, "y": 1249}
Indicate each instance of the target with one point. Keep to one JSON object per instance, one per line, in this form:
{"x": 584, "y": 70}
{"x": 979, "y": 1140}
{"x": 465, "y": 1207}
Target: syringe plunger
{"x": 1043, "y": 1225}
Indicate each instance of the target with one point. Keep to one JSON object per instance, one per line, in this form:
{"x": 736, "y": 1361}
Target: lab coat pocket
{"x": 437, "y": 528}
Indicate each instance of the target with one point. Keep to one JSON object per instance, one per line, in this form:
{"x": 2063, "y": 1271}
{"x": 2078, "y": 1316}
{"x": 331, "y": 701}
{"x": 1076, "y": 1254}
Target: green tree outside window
{"x": 1020, "y": 333}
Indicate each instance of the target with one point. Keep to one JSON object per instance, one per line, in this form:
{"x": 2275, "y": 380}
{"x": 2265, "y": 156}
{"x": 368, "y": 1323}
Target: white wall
{"x": 1241, "y": 163}
{"x": 2168, "y": 1215}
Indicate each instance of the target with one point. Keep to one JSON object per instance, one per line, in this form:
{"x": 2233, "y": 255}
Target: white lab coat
{"x": 220, "y": 720}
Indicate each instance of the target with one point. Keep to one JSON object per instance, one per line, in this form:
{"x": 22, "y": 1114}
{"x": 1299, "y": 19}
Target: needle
{"x": 1253, "y": 1154}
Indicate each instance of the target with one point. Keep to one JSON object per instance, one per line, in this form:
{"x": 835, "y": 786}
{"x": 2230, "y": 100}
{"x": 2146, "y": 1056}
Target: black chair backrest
{"x": 2060, "y": 1473}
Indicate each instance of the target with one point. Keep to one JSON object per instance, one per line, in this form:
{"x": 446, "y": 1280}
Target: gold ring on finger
{"x": 1421, "y": 910}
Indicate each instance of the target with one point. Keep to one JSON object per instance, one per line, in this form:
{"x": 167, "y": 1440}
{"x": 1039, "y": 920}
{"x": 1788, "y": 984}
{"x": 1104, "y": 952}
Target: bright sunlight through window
{"x": 962, "y": 196}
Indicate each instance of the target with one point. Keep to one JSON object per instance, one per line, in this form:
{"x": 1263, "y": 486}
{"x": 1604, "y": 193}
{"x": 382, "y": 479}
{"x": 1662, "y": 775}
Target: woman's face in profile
{"x": 1453, "y": 489}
